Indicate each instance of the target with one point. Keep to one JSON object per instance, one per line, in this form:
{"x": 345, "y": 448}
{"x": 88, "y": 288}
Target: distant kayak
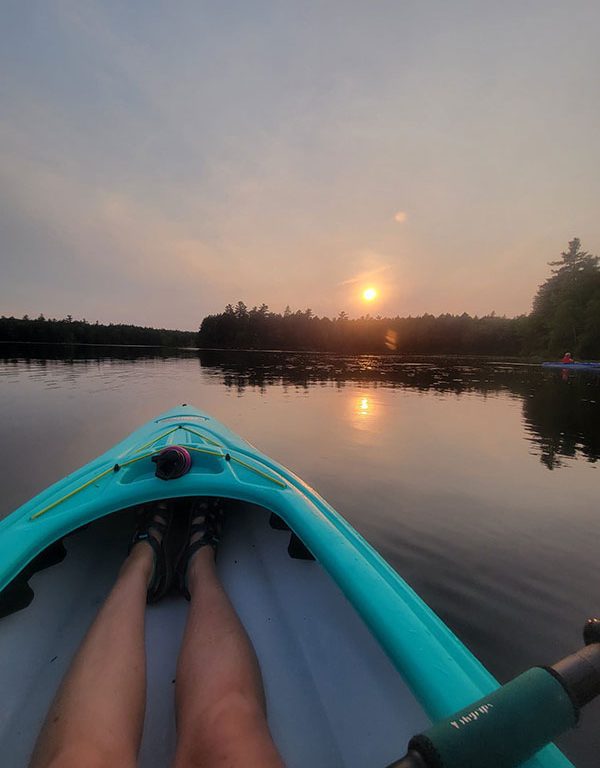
{"x": 574, "y": 366}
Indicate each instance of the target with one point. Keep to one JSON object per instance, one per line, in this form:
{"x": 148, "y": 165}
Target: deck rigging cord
{"x": 196, "y": 449}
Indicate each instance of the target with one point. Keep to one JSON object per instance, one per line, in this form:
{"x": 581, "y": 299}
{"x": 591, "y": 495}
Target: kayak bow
{"x": 442, "y": 673}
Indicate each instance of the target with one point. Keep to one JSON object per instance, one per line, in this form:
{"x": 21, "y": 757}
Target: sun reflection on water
{"x": 362, "y": 414}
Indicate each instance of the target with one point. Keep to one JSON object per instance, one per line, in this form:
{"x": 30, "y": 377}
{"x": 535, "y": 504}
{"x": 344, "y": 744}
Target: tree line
{"x": 565, "y": 316}
{"x": 70, "y": 331}
{"x": 258, "y": 328}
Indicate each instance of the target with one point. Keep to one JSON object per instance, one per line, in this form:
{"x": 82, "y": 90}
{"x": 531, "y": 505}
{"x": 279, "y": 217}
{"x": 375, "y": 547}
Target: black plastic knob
{"x": 591, "y": 631}
{"x": 172, "y": 462}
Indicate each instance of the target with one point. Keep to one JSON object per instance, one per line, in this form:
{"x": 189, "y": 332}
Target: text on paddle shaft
{"x": 471, "y": 716}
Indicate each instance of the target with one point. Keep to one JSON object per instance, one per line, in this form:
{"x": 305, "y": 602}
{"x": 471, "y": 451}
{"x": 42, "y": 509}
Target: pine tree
{"x": 561, "y": 308}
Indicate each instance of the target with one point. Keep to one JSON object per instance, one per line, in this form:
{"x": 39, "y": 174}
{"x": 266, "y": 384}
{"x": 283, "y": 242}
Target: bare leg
{"x": 97, "y": 716}
{"x": 221, "y": 719}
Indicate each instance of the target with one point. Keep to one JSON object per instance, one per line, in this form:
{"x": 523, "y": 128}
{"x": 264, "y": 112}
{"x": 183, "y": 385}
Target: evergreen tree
{"x": 574, "y": 261}
{"x": 565, "y": 306}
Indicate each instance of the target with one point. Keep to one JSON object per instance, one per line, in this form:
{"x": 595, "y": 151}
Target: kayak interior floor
{"x": 333, "y": 697}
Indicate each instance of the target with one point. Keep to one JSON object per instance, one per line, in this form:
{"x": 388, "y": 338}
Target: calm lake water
{"x": 477, "y": 480}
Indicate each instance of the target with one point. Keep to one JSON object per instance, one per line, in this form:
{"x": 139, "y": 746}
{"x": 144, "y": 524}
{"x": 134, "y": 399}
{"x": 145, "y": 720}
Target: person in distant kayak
{"x": 567, "y": 358}
{"x": 96, "y": 718}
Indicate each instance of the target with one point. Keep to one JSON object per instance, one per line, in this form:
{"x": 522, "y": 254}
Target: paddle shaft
{"x": 508, "y": 726}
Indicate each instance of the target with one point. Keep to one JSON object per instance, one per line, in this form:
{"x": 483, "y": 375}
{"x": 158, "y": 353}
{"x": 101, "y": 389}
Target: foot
{"x": 149, "y": 544}
{"x": 204, "y": 530}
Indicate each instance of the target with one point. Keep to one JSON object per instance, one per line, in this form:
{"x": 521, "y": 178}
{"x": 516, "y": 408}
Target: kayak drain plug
{"x": 172, "y": 462}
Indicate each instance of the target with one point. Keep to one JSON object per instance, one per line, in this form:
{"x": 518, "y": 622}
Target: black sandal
{"x": 205, "y": 520}
{"x": 145, "y": 530}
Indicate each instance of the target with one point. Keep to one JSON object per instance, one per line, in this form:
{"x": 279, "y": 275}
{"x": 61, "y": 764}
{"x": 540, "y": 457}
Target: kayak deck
{"x": 333, "y": 697}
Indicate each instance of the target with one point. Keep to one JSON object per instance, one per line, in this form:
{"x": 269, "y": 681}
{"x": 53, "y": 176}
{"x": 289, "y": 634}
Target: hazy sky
{"x": 160, "y": 159}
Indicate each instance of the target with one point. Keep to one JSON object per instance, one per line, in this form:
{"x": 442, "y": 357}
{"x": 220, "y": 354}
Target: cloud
{"x": 400, "y": 217}
{"x": 366, "y": 275}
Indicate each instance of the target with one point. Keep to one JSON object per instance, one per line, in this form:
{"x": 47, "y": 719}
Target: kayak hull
{"x": 442, "y": 675}
{"x": 595, "y": 367}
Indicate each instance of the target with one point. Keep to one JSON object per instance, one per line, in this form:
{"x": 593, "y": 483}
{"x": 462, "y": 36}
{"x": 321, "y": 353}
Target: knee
{"x": 230, "y": 731}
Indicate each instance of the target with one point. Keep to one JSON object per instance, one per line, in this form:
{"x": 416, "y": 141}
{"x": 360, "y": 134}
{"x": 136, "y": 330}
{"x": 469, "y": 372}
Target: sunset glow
{"x": 364, "y": 190}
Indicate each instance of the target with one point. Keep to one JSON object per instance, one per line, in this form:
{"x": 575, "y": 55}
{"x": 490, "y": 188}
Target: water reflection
{"x": 560, "y": 409}
{"x": 363, "y": 413}
{"x": 39, "y": 354}
{"x": 561, "y": 416}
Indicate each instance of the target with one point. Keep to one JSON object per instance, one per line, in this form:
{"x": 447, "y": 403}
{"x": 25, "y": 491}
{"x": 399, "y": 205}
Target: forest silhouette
{"x": 565, "y": 316}
{"x": 70, "y": 331}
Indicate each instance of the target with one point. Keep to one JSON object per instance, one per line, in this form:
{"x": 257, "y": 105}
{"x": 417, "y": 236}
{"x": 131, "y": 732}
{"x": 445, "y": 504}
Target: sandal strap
{"x": 158, "y": 526}
{"x": 146, "y": 530}
{"x": 199, "y": 528}
{"x": 146, "y": 536}
{"x": 205, "y": 523}
{"x": 196, "y": 546}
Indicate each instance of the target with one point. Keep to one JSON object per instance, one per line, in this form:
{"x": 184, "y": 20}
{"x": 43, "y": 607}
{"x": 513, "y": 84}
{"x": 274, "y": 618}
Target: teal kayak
{"x": 440, "y": 674}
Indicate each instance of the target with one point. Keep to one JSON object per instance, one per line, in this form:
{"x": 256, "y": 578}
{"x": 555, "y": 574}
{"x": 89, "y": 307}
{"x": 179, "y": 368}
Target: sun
{"x": 369, "y": 294}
